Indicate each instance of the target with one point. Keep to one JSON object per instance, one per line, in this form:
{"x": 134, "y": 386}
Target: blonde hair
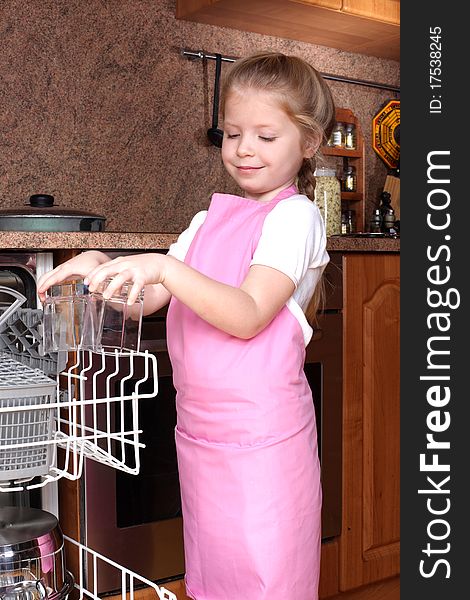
{"x": 307, "y": 100}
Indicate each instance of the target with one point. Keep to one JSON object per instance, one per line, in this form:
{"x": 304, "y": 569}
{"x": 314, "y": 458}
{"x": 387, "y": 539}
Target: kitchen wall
{"x": 98, "y": 107}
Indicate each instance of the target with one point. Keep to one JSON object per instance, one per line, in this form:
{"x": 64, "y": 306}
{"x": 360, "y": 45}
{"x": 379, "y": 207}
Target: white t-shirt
{"x": 293, "y": 241}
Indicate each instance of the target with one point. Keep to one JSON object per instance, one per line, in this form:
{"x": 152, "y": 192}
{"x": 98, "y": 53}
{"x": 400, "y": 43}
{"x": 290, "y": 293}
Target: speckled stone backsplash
{"x": 99, "y": 108}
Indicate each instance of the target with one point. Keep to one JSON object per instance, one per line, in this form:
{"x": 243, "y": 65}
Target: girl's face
{"x": 262, "y": 148}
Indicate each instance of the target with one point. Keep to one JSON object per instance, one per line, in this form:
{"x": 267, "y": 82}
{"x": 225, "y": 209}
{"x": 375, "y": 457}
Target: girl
{"x": 238, "y": 281}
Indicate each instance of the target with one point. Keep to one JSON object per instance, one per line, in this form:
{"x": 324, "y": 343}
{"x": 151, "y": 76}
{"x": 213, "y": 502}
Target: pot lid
{"x": 21, "y": 524}
{"x": 42, "y": 205}
{"x": 28, "y": 532}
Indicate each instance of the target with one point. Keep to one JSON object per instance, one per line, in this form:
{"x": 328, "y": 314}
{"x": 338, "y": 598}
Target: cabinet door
{"x": 322, "y": 22}
{"x": 387, "y": 11}
{"x": 369, "y": 546}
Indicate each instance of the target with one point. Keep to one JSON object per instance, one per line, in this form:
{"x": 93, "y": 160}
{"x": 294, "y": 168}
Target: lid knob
{"x": 41, "y": 200}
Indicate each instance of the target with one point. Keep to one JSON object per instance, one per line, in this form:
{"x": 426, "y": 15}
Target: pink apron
{"x": 245, "y": 434}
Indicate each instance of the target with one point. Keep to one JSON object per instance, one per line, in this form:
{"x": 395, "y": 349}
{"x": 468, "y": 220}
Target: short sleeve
{"x": 179, "y": 248}
{"x": 293, "y": 238}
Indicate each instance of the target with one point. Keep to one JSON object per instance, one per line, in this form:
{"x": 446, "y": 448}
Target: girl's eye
{"x": 232, "y": 136}
{"x": 266, "y": 139}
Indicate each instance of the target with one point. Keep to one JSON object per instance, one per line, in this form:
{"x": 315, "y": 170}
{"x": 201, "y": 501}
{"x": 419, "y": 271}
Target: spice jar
{"x": 375, "y": 225}
{"x": 338, "y": 135}
{"x": 349, "y": 179}
{"x": 388, "y": 221}
{"x": 328, "y": 199}
{"x": 350, "y": 137}
{"x": 348, "y": 222}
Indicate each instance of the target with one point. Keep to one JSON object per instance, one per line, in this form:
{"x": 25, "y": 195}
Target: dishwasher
{"x": 57, "y": 410}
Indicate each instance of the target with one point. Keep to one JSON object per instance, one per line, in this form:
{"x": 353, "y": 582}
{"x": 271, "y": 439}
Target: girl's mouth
{"x": 243, "y": 168}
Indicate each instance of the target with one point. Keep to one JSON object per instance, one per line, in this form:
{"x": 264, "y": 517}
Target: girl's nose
{"x": 245, "y": 147}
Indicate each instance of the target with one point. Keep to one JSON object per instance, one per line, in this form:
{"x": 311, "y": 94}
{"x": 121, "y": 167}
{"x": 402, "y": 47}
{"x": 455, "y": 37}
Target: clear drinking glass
{"x": 63, "y": 316}
{"x": 111, "y": 324}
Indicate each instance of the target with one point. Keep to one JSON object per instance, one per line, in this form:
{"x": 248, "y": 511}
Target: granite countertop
{"x": 31, "y": 240}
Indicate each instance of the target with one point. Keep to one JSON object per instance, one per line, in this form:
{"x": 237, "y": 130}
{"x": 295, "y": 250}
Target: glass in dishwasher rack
{"x": 64, "y": 312}
{"x": 76, "y": 319}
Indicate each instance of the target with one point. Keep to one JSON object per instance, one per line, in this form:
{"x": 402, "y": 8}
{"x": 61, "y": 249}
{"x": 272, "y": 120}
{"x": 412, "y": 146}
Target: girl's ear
{"x": 311, "y": 146}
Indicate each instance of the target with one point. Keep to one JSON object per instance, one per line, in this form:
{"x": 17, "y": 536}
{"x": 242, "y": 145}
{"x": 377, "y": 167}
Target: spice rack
{"x": 352, "y": 200}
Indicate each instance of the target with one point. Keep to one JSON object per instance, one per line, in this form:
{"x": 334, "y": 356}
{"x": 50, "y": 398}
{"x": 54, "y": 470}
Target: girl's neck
{"x": 289, "y": 190}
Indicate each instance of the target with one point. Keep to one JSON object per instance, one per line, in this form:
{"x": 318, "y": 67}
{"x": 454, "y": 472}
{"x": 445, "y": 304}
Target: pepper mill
{"x": 387, "y": 213}
{"x": 386, "y": 203}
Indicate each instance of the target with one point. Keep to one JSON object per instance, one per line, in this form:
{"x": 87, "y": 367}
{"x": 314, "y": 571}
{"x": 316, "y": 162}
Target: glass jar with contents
{"x": 350, "y": 136}
{"x": 110, "y": 324}
{"x": 348, "y": 222}
{"x": 338, "y": 135}
{"x": 375, "y": 225}
{"x": 348, "y": 182}
{"x": 328, "y": 199}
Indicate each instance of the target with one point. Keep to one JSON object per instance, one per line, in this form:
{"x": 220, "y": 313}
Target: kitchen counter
{"x": 362, "y": 244}
{"x": 31, "y": 240}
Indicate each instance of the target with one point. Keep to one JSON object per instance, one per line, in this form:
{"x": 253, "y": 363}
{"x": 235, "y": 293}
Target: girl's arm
{"x": 242, "y": 312}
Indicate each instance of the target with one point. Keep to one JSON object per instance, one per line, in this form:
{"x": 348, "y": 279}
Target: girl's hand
{"x": 138, "y": 269}
{"x": 79, "y": 266}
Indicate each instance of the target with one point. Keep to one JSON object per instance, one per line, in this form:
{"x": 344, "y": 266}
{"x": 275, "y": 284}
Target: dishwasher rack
{"x": 26, "y": 420}
{"x": 130, "y": 581}
{"x": 86, "y": 412}
{"x": 57, "y": 410}
{"x": 79, "y": 402}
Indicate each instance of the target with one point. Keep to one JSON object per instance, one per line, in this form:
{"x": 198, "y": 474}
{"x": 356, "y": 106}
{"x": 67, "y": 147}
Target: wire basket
{"x": 21, "y": 336}
{"x": 94, "y": 415}
{"x": 26, "y": 420}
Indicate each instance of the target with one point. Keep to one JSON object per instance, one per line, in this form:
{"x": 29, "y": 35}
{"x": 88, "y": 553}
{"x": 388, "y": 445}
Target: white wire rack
{"x": 93, "y": 414}
{"x": 50, "y": 425}
{"x": 130, "y": 581}
{"x": 26, "y": 420}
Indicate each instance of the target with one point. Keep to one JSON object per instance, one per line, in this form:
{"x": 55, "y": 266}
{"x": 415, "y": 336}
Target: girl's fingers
{"x": 115, "y": 285}
{"x": 118, "y": 273}
{"x": 134, "y": 292}
{"x": 121, "y": 270}
{"x": 98, "y": 274}
{"x": 50, "y": 278}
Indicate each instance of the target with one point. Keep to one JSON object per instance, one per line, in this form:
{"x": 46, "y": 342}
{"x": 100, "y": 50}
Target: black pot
{"x": 41, "y": 215}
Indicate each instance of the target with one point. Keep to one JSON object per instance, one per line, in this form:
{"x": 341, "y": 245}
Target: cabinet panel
{"x": 369, "y": 544}
{"x": 333, "y": 4}
{"x": 381, "y": 10}
{"x": 323, "y": 23}
{"x": 381, "y": 417}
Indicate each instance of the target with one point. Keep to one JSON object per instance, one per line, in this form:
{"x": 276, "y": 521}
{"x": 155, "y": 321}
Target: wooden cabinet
{"x": 379, "y": 10}
{"x": 369, "y": 544}
{"x": 363, "y": 26}
{"x": 351, "y": 200}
